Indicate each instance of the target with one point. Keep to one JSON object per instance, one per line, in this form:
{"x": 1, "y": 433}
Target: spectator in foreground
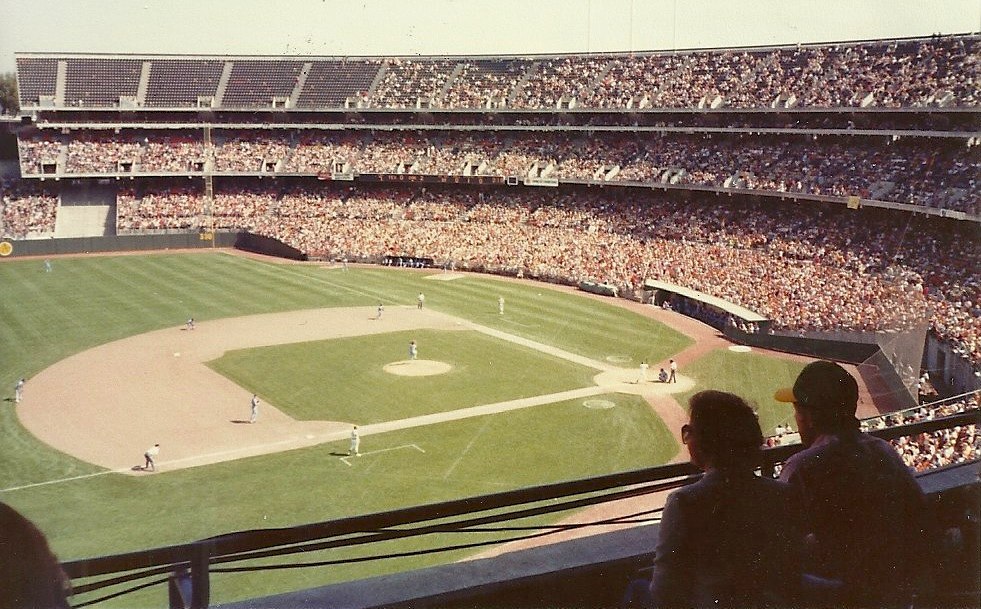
{"x": 731, "y": 539}
{"x": 863, "y": 510}
{"x": 30, "y": 576}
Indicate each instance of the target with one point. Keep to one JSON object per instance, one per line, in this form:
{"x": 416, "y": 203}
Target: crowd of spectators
{"x": 909, "y": 170}
{"x": 26, "y": 210}
{"x": 813, "y": 269}
{"x": 883, "y": 73}
{"x": 958, "y": 444}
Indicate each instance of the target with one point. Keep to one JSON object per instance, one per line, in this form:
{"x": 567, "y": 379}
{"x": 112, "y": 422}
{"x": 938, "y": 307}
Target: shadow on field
{"x": 240, "y": 421}
{"x": 336, "y": 454}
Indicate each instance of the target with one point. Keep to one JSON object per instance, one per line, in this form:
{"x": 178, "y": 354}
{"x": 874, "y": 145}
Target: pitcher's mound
{"x": 417, "y": 367}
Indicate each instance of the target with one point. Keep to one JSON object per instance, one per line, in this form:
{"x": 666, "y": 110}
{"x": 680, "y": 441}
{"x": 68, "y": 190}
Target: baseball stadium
{"x": 423, "y": 330}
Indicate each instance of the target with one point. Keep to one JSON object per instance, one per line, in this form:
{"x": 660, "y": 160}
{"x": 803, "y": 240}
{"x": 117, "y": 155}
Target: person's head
{"x": 723, "y": 432}
{"x": 30, "y": 575}
{"x": 825, "y": 398}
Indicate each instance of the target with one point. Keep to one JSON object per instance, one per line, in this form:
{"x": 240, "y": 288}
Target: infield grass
{"x": 344, "y": 379}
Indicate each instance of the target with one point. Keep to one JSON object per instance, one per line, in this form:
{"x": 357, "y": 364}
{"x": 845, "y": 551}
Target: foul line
{"x": 59, "y": 480}
{"x": 382, "y": 450}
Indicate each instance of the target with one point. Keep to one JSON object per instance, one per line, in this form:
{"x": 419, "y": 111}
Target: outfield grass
{"x": 44, "y": 317}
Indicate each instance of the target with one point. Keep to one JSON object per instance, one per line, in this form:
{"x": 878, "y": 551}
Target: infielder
{"x": 500, "y": 305}
{"x": 381, "y": 309}
{"x": 150, "y": 455}
{"x": 355, "y": 442}
{"x": 420, "y": 299}
{"x": 190, "y": 323}
{"x": 643, "y": 373}
{"x": 255, "y": 408}
{"x": 673, "y": 366}
{"x": 413, "y": 350}
{"x": 19, "y": 391}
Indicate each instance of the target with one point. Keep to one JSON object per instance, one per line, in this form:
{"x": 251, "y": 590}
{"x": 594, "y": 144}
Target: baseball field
{"x": 545, "y": 391}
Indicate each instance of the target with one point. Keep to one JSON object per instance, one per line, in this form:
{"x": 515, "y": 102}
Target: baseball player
{"x": 413, "y": 350}
{"x": 190, "y": 323}
{"x": 47, "y": 265}
{"x": 19, "y": 391}
{"x": 381, "y": 309}
{"x": 420, "y": 300}
{"x": 500, "y": 305}
{"x": 150, "y": 455}
{"x": 255, "y": 408}
{"x": 643, "y": 373}
{"x": 355, "y": 443}
{"x": 673, "y": 366}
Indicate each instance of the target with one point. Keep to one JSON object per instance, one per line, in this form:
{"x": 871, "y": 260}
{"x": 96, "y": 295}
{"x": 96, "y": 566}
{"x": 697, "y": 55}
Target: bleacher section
{"x": 934, "y": 72}
{"x": 255, "y": 83}
{"x": 331, "y": 83}
{"x": 37, "y": 77}
{"x": 99, "y": 83}
{"x": 179, "y": 83}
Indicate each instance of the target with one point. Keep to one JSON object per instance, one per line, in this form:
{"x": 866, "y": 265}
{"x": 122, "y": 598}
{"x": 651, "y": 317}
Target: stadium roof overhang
{"x": 733, "y": 309}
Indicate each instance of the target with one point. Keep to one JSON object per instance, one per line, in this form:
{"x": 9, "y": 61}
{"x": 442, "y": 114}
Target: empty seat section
{"x": 37, "y": 77}
{"x": 330, "y": 83}
{"x": 254, "y": 83}
{"x": 99, "y": 83}
{"x": 177, "y": 83}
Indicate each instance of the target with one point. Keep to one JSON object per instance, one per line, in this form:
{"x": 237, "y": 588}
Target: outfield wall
{"x": 120, "y": 243}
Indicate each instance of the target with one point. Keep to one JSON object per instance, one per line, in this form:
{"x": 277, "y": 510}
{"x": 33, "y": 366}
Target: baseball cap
{"x": 823, "y": 385}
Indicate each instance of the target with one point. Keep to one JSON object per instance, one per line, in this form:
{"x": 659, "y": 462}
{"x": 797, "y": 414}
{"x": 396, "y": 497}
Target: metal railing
{"x": 192, "y": 563}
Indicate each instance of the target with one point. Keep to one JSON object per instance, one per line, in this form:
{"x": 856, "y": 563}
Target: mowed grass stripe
{"x": 583, "y": 326}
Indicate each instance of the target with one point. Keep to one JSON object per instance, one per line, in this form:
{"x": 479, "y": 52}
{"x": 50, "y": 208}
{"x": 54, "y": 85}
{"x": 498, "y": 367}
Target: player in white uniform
{"x": 381, "y": 309}
{"x": 413, "y": 350}
{"x": 190, "y": 323}
{"x": 642, "y": 378}
{"x": 420, "y": 300}
{"x": 255, "y": 408}
{"x": 355, "y": 442}
{"x": 150, "y": 456}
{"x": 500, "y": 305}
{"x": 673, "y": 366}
{"x": 19, "y": 391}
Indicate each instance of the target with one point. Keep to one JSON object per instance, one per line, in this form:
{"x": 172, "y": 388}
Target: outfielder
{"x": 420, "y": 300}
{"x": 413, "y": 350}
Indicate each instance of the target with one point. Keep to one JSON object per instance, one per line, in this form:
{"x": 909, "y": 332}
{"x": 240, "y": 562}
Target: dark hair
{"x": 727, "y": 429}
{"x": 30, "y": 575}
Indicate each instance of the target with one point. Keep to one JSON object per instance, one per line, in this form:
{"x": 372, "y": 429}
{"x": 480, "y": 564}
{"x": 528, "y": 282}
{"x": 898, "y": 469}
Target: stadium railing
{"x": 188, "y": 567}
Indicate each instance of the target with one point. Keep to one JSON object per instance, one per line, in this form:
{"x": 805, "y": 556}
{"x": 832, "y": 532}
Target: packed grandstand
{"x": 732, "y": 172}
{"x": 831, "y": 189}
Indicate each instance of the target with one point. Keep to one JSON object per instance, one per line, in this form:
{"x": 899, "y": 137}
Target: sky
{"x": 457, "y": 27}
